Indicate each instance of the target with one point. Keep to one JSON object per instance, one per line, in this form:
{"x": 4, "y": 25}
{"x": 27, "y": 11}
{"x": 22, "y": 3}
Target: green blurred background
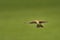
{"x": 15, "y": 15}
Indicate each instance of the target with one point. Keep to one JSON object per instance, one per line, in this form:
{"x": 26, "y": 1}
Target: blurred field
{"x": 14, "y": 13}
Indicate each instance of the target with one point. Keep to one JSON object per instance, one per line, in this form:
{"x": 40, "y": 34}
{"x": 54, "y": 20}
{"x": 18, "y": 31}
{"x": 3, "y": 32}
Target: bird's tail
{"x": 39, "y": 25}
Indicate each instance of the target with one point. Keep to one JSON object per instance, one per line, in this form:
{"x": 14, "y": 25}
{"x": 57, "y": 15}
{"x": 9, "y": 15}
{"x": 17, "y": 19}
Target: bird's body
{"x": 38, "y": 23}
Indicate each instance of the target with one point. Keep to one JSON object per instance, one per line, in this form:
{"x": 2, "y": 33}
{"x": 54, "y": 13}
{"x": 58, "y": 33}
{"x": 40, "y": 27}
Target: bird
{"x": 38, "y": 23}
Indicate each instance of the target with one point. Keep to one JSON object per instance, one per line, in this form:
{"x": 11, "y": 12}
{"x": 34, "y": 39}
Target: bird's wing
{"x": 42, "y": 21}
{"x": 32, "y": 22}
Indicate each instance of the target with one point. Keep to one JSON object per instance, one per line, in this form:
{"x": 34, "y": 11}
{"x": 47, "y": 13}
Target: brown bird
{"x": 38, "y": 22}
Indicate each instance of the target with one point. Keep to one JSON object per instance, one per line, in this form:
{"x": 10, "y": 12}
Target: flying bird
{"x": 38, "y": 23}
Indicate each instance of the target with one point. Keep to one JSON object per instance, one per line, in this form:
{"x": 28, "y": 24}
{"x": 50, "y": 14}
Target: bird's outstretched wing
{"x": 32, "y": 22}
{"x": 42, "y": 21}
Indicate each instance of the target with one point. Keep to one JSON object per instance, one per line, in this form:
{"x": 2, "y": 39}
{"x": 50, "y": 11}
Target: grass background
{"x": 13, "y": 14}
